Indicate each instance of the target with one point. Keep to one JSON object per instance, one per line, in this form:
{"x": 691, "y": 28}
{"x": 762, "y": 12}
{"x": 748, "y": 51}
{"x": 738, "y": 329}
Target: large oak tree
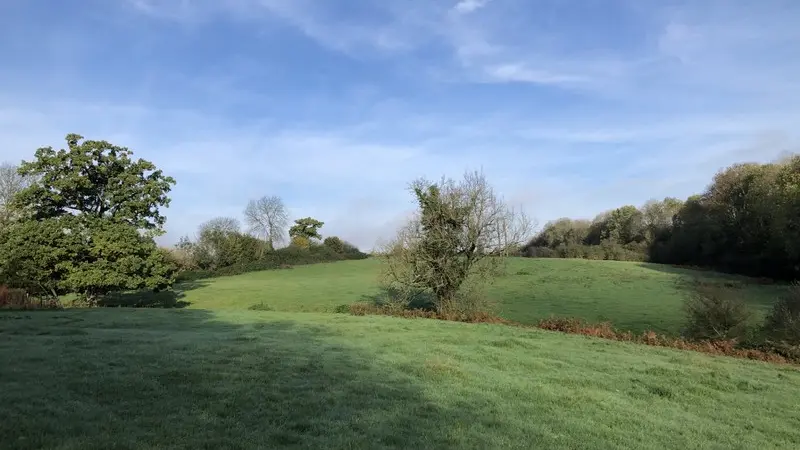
{"x": 88, "y": 221}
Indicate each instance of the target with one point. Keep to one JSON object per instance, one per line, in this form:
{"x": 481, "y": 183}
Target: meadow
{"x": 183, "y": 378}
{"x": 262, "y": 360}
{"x": 632, "y": 296}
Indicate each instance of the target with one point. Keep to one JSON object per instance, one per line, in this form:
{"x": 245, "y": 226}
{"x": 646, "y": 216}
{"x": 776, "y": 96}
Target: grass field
{"x": 183, "y": 378}
{"x": 632, "y": 296}
{"x": 217, "y": 374}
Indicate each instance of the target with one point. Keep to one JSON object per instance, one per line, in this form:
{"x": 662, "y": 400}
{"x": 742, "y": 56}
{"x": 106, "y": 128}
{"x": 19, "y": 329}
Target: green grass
{"x": 633, "y": 296}
{"x": 182, "y": 378}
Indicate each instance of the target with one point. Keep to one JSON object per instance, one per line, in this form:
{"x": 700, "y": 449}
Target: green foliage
{"x": 221, "y": 244}
{"x": 562, "y": 232}
{"x": 95, "y": 179}
{"x": 605, "y": 251}
{"x": 35, "y": 255}
{"x": 306, "y": 227}
{"x": 300, "y": 242}
{"x": 457, "y": 245}
{"x": 716, "y": 313}
{"x": 260, "y": 307}
{"x": 116, "y": 257}
{"x": 61, "y": 254}
{"x": 278, "y": 259}
{"x": 623, "y": 225}
{"x": 747, "y": 221}
{"x": 340, "y": 246}
{"x": 81, "y": 222}
{"x": 783, "y": 322}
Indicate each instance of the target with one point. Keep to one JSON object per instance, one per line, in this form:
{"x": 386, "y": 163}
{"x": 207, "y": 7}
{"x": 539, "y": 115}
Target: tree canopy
{"x": 746, "y": 221}
{"x": 306, "y": 227}
{"x": 95, "y": 179}
{"x": 87, "y": 222}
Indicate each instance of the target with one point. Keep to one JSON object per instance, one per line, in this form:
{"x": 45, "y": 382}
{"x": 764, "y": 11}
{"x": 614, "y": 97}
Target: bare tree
{"x": 220, "y": 225}
{"x": 458, "y": 241}
{"x": 11, "y": 182}
{"x": 267, "y": 218}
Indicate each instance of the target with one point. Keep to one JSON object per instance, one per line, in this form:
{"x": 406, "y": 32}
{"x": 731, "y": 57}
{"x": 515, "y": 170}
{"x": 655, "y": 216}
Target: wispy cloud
{"x": 468, "y": 6}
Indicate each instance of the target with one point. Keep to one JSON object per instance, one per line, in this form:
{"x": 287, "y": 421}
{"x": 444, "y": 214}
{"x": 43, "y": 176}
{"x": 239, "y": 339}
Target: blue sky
{"x": 569, "y": 107}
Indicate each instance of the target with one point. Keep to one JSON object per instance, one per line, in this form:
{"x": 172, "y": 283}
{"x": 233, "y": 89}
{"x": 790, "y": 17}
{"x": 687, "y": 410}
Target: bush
{"x": 260, "y": 307}
{"x": 604, "y": 251}
{"x": 334, "y": 243}
{"x": 300, "y": 242}
{"x": 783, "y": 322}
{"x": 716, "y": 313}
{"x": 538, "y": 252}
{"x": 282, "y": 258}
{"x": 19, "y": 299}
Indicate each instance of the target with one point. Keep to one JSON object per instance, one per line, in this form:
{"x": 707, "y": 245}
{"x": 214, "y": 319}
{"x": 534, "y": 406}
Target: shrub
{"x": 538, "y": 252}
{"x": 260, "y": 307}
{"x": 19, "y": 299}
{"x": 10, "y": 298}
{"x": 334, "y": 243}
{"x": 282, "y": 258}
{"x": 783, "y": 322}
{"x": 716, "y": 313}
{"x": 300, "y": 242}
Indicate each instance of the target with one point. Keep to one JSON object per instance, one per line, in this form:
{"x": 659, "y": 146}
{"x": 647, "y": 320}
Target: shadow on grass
{"x": 170, "y": 298}
{"x": 180, "y": 379}
{"x": 710, "y": 274}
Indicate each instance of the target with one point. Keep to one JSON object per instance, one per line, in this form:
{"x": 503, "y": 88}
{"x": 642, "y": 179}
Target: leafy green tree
{"x": 34, "y": 255}
{"x": 91, "y": 215}
{"x": 307, "y": 228}
{"x": 624, "y": 225}
{"x": 95, "y": 179}
{"x": 335, "y": 244}
{"x": 114, "y": 256}
{"x": 657, "y": 217}
{"x": 562, "y": 232}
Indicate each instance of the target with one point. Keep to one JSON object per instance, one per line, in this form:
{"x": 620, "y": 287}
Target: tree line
{"x": 747, "y": 221}
{"x": 84, "y": 219}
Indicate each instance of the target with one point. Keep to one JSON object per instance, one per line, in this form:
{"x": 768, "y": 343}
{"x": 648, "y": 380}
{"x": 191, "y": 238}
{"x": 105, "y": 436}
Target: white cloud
{"x": 518, "y": 72}
{"x": 468, "y": 6}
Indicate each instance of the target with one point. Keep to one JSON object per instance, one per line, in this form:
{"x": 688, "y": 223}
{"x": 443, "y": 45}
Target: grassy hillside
{"x": 154, "y": 378}
{"x": 633, "y": 296}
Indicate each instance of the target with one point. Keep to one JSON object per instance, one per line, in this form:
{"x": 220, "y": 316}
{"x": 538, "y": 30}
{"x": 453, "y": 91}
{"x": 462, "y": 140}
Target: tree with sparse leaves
{"x": 267, "y": 218}
{"x": 220, "y": 243}
{"x": 11, "y": 182}
{"x": 458, "y": 241}
{"x": 89, "y": 219}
